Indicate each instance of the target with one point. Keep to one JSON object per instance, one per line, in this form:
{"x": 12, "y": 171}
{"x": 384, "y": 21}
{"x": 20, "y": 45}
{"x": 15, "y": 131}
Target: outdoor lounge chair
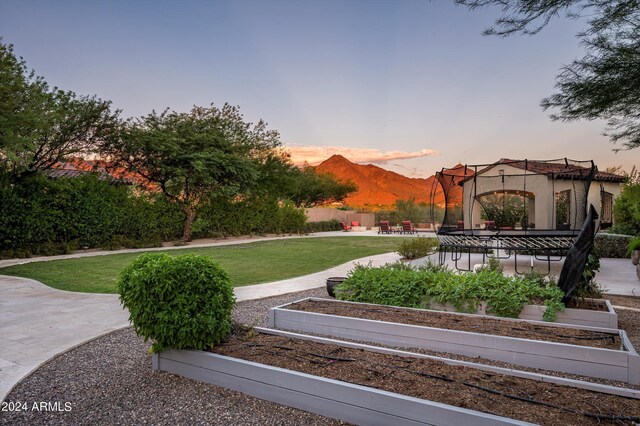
{"x": 408, "y": 227}
{"x": 384, "y": 227}
{"x": 345, "y": 227}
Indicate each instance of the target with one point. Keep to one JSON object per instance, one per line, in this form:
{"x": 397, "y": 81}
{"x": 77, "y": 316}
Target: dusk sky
{"x": 411, "y": 85}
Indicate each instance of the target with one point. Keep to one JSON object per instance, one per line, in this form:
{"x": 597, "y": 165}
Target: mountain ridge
{"x": 378, "y": 187}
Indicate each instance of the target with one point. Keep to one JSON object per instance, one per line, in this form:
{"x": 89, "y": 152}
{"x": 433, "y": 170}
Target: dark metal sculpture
{"x": 577, "y": 256}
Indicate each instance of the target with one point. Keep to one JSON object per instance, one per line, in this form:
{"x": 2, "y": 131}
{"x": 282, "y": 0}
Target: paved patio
{"x": 39, "y": 322}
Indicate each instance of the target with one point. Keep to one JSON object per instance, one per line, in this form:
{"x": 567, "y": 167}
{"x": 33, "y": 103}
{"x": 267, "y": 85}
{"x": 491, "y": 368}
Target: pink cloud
{"x": 316, "y": 154}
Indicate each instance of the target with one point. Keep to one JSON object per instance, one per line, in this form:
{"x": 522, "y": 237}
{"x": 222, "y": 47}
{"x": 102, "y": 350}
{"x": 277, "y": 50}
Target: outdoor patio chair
{"x": 384, "y": 227}
{"x": 408, "y": 227}
{"x": 355, "y": 223}
{"x": 345, "y": 227}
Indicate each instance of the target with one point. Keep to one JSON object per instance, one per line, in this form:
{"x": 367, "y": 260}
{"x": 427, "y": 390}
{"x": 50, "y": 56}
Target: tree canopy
{"x": 41, "y": 125}
{"x": 605, "y": 83}
{"x": 190, "y": 156}
{"x": 309, "y": 188}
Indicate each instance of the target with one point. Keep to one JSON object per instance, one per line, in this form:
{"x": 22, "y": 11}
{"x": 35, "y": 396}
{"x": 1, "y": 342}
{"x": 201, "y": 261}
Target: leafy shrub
{"x": 182, "y": 302}
{"x": 323, "y": 226}
{"x": 46, "y": 216}
{"x": 493, "y": 264}
{"x": 611, "y": 245}
{"x": 626, "y": 210}
{"x": 587, "y": 286}
{"x": 633, "y": 245}
{"x": 251, "y": 215}
{"x": 415, "y": 248}
{"x": 418, "y": 288}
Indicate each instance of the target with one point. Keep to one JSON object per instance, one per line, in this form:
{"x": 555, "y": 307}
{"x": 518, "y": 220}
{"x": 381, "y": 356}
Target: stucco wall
{"x": 544, "y": 190}
{"x": 321, "y": 214}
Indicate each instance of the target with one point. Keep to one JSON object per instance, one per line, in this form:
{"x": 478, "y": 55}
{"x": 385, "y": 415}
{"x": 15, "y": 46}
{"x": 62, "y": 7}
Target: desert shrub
{"x": 182, "y": 302}
{"x": 420, "y": 287}
{"x": 493, "y": 264}
{"x": 611, "y": 245}
{"x": 415, "y": 248}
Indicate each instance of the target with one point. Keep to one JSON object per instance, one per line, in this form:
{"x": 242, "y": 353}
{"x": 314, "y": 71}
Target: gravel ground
{"x": 122, "y": 388}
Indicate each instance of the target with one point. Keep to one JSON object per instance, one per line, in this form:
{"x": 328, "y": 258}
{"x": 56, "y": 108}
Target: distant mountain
{"x": 378, "y": 187}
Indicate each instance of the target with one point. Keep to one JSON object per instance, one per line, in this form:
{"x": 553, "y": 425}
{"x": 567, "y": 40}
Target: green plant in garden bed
{"x": 418, "y": 288}
{"x": 181, "y": 302}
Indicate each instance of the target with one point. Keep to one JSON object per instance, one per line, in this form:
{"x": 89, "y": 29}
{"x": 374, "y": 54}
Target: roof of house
{"x": 78, "y": 167}
{"x": 560, "y": 169}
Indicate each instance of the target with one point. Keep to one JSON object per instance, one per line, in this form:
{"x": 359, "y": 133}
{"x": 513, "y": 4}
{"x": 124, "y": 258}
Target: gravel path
{"x": 122, "y": 388}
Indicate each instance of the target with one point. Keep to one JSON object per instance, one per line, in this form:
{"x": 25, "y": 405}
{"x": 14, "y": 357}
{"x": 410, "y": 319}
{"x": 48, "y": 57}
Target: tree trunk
{"x": 190, "y": 213}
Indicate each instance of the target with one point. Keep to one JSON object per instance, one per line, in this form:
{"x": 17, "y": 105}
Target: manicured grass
{"x": 246, "y": 264}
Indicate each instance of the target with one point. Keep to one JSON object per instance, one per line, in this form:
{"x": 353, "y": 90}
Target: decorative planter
{"x": 622, "y": 365}
{"x": 587, "y": 317}
{"x": 635, "y": 257}
{"x": 340, "y": 400}
{"x": 332, "y": 283}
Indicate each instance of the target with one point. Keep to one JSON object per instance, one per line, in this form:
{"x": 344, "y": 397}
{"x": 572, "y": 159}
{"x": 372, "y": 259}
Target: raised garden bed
{"x": 386, "y": 388}
{"x": 590, "y": 312}
{"x": 589, "y": 351}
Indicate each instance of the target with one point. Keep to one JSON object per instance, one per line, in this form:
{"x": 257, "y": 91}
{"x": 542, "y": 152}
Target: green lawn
{"x": 246, "y": 264}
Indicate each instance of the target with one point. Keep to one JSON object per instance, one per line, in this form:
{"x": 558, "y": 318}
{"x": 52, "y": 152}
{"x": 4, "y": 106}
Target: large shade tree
{"x": 310, "y": 188}
{"x": 195, "y": 155}
{"x": 605, "y": 83}
{"x": 42, "y": 125}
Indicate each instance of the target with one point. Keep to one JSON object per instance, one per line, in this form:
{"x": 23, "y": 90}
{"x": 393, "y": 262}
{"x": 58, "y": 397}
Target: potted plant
{"x": 634, "y": 250}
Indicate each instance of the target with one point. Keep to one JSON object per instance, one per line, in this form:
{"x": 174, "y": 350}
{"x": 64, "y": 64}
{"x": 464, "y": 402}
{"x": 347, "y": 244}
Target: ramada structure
{"x": 537, "y": 207}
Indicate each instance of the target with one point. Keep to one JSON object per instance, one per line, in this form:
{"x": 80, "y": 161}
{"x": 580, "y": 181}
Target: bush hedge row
{"x": 611, "y": 245}
{"x": 51, "y": 216}
{"x": 43, "y": 216}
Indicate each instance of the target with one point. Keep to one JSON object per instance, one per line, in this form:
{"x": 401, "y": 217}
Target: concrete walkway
{"x": 38, "y": 322}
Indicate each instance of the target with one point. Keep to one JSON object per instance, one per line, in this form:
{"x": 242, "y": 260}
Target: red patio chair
{"x": 384, "y": 227}
{"x": 408, "y": 227}
{"x": 345, "y": 227}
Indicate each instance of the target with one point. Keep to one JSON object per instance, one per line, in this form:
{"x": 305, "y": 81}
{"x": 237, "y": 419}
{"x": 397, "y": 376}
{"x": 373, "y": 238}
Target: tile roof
{"x": 566, "y": 170}
{"x": 559, "y": 169}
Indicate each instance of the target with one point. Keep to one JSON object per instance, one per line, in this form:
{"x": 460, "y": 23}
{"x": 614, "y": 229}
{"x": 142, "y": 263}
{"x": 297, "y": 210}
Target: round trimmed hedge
{"x": 181, "y": 302}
